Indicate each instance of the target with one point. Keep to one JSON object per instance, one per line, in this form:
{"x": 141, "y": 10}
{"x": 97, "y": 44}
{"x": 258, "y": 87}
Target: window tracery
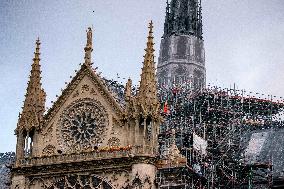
{"x": 82, "y": 125}
{"x": 79, "y": 182}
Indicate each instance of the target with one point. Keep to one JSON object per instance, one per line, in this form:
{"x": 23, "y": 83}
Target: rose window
{"x": 83, "y": 124}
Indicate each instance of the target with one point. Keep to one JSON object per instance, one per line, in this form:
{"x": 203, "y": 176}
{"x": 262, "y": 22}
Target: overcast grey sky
{"x": 243, "y": 42}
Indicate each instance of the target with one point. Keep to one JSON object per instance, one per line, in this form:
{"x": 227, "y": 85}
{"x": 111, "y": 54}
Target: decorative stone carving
{"x": 49, "y": 150}
{"x": 90, "y": 181}
{"x": 89, "y": 38}
{"x": 99, "y": 86}
{"x": 81, "y": 181}
{"x": 47, "y": 136}
{"x": 93, "y": 92}
{"x": 82, "y": 125}
{"x": 137, "y": 182}
{"x": 85, "y": 88}
{"x": 76, "y": 94}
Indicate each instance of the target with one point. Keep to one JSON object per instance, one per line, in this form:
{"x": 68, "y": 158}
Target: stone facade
{"x": 94, "y": 138}
{"x": 88, "y": 139}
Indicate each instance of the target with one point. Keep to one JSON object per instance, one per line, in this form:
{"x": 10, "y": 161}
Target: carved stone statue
{"x": 89, "y": 37}
{"x": 127, "y": 91}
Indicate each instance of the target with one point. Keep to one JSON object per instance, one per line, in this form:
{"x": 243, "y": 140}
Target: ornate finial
{"x": 36, "y": 59}
{"x": 151, "y": 27}
{"x": 89, "y": 47}
{"x": 150, "y": 36}
{"x": 150, "y": 43}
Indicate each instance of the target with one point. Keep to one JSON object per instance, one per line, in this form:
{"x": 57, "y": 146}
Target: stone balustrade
{"x": 66, "y": 158}
{"x": 85, "y": 156}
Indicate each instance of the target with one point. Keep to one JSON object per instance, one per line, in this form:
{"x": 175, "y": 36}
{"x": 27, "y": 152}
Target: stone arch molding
{"x": 75, "y": 181}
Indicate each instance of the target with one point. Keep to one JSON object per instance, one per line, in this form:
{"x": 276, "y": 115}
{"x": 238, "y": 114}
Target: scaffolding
{"x": 221, "y": 117}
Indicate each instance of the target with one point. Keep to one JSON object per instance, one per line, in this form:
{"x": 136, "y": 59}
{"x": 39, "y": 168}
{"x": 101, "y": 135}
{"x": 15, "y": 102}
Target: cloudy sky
{"x": 243, "y": 42}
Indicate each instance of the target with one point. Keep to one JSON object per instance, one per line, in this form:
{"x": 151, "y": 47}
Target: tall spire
{"x": 147, "y": 94}
{"x": 167, "y": 19}
{"x": 89, "y": 47}
{"x": 183, "y": 17}
{"x": 34, "y": 104}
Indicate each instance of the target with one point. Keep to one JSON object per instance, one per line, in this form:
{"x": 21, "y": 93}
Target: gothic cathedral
{"x": 89, "y": 139}
{"x": 96, "y": 136}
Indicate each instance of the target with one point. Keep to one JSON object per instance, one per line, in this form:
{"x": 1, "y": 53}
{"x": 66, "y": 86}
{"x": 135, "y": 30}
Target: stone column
{"x": 153, "y": 137}
{"x": 144, "y": 134}
{"x": 27, "y": 144}
{"x": 136, "y": 131}
{"x": 20, "y": 146}
{"x": 34, "y": 147}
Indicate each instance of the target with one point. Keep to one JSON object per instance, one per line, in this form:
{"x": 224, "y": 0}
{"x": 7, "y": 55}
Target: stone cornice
{"x": 61, "y": 164}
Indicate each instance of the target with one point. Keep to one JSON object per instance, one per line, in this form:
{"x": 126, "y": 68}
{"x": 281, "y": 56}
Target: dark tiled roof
{"x": 268, "y": 145}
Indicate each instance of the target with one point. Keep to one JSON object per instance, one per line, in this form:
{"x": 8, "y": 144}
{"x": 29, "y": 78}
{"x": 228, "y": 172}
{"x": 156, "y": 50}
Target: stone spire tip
{"x": 37, "y": 53}
{"x": 151, "y": 27}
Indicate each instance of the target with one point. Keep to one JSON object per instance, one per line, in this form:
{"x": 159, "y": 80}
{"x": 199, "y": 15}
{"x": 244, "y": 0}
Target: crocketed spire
{"x": 34, "y": 104}
{"x": 147, "y": 95}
